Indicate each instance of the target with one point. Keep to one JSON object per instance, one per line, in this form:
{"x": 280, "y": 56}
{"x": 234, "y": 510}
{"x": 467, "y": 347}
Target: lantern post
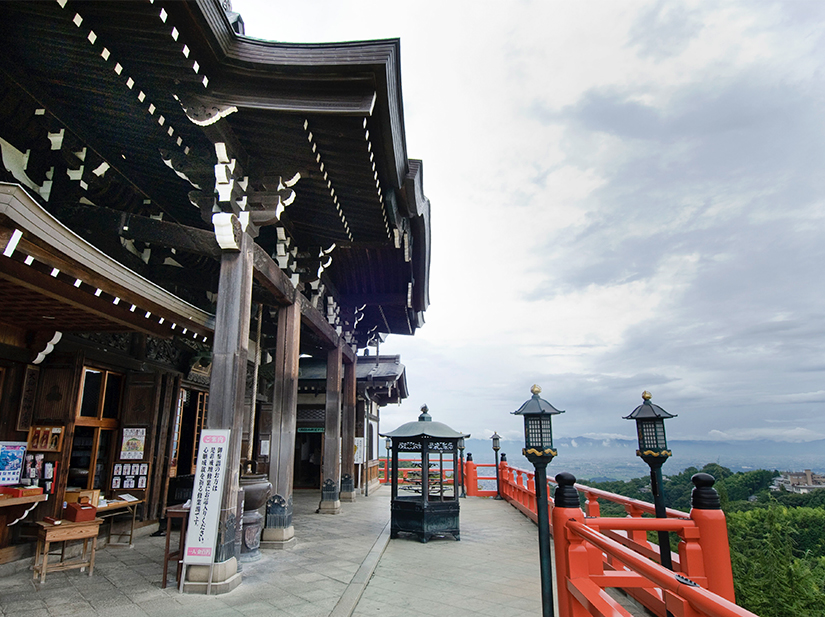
{"x": 388, "y": 445}
{"x": 650, "y": 429}
{"x": 538, "y": 449}
{"x": 461, "y": 447}
{"x": 496, "y": 447}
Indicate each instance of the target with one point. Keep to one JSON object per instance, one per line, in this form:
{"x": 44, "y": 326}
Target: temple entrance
{"x": 308, "y": 449}
{"x": 187, "y": 425}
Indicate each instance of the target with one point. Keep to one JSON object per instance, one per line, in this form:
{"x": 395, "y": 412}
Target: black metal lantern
{"x": 538, "y": 426}
{"x": 650, "y": 429}
{"x": 538, "y": 448}
{"x": 425, "y": 501}
{"x": 496, "y": 447}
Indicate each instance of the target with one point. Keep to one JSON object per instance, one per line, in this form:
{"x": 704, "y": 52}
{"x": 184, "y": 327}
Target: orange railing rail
{"x": 404, "y": 472}
{"x": 472, "y": 478}
{"x": 593, "y": 552}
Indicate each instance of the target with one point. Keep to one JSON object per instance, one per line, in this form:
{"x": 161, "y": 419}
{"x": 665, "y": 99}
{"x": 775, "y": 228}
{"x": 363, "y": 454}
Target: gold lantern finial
{"x": 535, "y": 389}
{"x": 647, "y": 395}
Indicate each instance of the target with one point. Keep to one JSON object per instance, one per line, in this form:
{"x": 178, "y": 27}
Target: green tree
{"x": 771, "y": 577}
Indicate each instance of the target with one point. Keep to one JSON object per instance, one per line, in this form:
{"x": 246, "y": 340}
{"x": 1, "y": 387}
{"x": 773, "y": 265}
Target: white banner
{"x": 359, "y": 450}
{"x": 205, "y": 511}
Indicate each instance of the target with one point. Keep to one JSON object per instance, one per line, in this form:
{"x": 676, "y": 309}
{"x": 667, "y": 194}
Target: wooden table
{"x": 115, "y": 508}
{"x": 16, "y": 509}
{"x": 177, "y": 555}
{"x": 64, "y": 532}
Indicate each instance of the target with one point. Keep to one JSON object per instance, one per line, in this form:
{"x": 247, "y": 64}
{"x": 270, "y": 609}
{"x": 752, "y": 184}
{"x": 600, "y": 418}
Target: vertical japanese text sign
{"x": 207, "y": 492}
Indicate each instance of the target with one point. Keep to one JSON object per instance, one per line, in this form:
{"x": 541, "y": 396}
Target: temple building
{"x": 200, "y": 230}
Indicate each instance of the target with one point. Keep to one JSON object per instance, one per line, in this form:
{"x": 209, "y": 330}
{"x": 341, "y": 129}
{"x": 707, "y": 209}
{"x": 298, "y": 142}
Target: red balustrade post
{"x": 707, "y": 513}
{"x": 691, "y": 560}
{"x": 504, "y": 475}
{"x": 592, "y": 505}
{"x": 472, "y": 477}
{"x": 531, "y": 489}
{"x": 567, "y": 508}
{"x": 638, "y": 536}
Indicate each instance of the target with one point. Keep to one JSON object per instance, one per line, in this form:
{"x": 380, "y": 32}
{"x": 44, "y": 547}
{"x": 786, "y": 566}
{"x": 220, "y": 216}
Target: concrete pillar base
{"x": 278, "y": 534}
{"x": 348, "y": 496}
{"x": 278, "y": 545}
{"x": 225, "y": 578}
{"x": 330, "y": 507}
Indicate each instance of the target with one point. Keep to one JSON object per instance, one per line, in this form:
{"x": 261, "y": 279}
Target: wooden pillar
{"x": 361, "y": 431}
{"x": 278, "y": 530}
{"x": 227, "y": 388}
{"x": 348, "y": 434}
{"x": 330, "y": 491}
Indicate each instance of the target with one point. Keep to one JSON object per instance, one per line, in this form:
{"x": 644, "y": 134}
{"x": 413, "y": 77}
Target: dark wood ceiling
{"x": 116, "y": 78}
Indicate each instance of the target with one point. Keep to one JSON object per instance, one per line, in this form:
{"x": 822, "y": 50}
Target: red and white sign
{"x": 205, "y": 511}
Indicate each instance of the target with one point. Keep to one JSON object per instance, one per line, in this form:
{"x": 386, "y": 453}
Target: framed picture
{"x": 144, "y": 469}
{"x": 133, "y": 444}
{"x": 116, "y": 482}
{"x": 12, "y": 455}
{"x": 26, "y": 410}
{"x": 45, "y": 439}
{"x": 141, "y": 482}
{"x": 116, "y": 471}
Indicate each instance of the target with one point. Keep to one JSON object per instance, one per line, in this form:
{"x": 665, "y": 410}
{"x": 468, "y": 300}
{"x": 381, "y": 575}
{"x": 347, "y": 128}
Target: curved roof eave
{"x": 335, "y": 65}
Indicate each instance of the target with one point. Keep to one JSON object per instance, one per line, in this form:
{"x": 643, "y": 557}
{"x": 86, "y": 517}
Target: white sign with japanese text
{"x": 359, "y": 450}
{"x": 205, "y": 511}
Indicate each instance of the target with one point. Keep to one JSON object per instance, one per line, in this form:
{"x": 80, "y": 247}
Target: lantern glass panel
{"x": 538, "y": 432}
{"x": 651, "y": 434}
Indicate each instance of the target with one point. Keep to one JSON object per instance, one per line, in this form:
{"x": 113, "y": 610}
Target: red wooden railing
{"x": 383, "y": 475}
{"x": 593, "y": 552}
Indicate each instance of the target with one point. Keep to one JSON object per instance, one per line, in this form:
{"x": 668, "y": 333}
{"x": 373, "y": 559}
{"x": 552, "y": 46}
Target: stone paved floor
{"x": 493, "y": 570}
{"x": 303, "y": 581}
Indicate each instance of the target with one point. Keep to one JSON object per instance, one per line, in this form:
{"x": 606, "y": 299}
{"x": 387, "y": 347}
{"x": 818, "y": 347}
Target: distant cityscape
{"x": 605, "y": 459}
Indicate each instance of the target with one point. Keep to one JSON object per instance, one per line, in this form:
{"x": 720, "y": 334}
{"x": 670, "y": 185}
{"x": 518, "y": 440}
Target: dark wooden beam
{"x": 270, "y": 276}
{"x": 146, "y": 229}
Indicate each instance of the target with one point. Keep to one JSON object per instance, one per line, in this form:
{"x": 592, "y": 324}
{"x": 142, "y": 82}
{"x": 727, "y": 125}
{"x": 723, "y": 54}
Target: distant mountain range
{"x": 588, "y": 458}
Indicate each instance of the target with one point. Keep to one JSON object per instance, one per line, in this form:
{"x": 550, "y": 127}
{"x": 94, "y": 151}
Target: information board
{"x": 205, "y": 511}
{"x": 359, "y": 450}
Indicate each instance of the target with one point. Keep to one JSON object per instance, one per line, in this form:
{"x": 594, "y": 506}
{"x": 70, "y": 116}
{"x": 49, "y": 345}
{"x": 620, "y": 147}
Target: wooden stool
{"x": 177, "y": 555}
{"x": 64, "y": 532}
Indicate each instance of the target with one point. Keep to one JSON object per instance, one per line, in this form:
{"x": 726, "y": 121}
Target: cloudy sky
{"x": 625, "y": 196}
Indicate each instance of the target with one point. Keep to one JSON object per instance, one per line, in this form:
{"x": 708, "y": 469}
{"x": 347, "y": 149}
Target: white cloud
{"x": 624, "y": 195}
{"x": 791, "y": 434}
